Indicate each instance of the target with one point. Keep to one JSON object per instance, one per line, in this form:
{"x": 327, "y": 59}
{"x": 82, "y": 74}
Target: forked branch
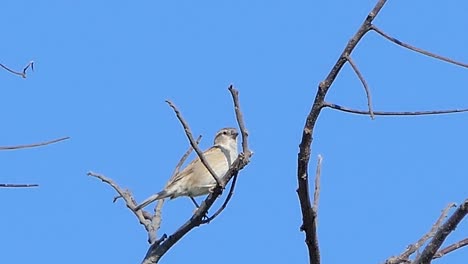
{"x": 152, "y": 222}
{"x": 439, "y": 237}
{"x": 303, "y": 159}
{"x": 22, "y": 73}
{"x": 411, "y": 249}
{"x": 157, "y": 250}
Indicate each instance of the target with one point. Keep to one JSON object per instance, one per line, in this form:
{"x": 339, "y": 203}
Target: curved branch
{"x": 224, "y": 205}
{"x": 364, "y": 83}
{"x": 130, "y": 202}
{"x": 418, "y": 50}
{"x": 305, "y": 146}
{"x": 23, "y": 73}
{"x": 392, "y": 113}
{"x": 34, "y": 144}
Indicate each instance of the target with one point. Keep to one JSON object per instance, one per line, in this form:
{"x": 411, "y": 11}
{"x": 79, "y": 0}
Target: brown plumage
{"x": 195, "y": 180}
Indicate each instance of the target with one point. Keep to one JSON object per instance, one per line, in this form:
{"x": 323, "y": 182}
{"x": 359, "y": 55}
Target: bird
{"x": 195, "y": 180}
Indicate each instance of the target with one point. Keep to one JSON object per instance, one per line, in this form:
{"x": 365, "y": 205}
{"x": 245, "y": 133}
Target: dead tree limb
{"x": 157, "y": 250}
{"x": 308, "y": 216}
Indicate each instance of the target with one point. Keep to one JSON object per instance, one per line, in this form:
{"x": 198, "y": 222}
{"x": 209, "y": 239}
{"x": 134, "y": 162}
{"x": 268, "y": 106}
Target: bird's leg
{"x": 194, "y": 201}
{"x": 196, "y": 205}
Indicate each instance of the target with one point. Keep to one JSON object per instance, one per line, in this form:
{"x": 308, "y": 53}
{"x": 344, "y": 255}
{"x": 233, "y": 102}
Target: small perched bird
{"x": 195, "y": 180}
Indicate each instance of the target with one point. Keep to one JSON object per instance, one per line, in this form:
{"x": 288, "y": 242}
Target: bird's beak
{"x": 235, "y": 134}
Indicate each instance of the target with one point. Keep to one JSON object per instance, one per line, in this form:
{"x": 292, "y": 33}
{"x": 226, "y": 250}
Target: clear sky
{"x": 104, "y": 69}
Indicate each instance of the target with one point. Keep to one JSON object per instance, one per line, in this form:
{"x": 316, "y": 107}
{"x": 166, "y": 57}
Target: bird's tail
{"x": 160, "y": 195}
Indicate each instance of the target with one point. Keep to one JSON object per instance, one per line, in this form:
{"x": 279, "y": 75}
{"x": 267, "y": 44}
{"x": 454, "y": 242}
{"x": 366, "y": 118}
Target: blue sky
{"x": 103, "y": 71}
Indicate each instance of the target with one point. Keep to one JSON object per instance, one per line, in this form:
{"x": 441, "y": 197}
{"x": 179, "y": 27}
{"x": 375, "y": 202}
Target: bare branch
{"x": 10, "y": 185}
{"x": 404, "y": 257}
{"x": 23, "y": 73}
{"x": 240, "y": 120}
{"x": 308, "y": 218}
{"x": 34, "y": 145}
{"x": 151, "y": 223}
{"x": 193, "y": 143}
{"x": 157, "y": 250}
{"x": 439, "y": 237}
{"x": 451, "y": 248}
{"x": 156, "y": 219}
{"x": 318, "y": 174}
{"x": 392, "y": 113}
{"x": 314, "y": 254}
{"x": 245, "y": 149}
{"x": 418, "y": 50}
{"x": 6, "y": 185}
{"x": 364, "y": 83}
{"x": 130, "y": 202}
{"x": 224, "y": 205}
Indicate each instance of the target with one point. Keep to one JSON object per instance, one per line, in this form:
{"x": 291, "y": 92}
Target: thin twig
{"x": 34, "y": 145}
{"x": 23, "y": 73}
{"x": 11, "y": 185}
{"x": 453, "y": 247}
{"x": 318, "y": 174}
{"x": 392, "y": 113}
{"x": 418, "y": 50}
{"x": 193, "y": 143}
{"x": 240, "y": 119}
{"x": 156, "y": 219}
{"x": 364, "y": 83}
{"x": 224, "y": 205}
{"x": 130, "y": 202}
{"x": 245, "y": 149}
{"x": 404, "y": 257}
{"x": 439, "y": 237}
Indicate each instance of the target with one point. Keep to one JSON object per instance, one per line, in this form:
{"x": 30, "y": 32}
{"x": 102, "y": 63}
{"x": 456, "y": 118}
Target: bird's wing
{"x": 208, "y": 154}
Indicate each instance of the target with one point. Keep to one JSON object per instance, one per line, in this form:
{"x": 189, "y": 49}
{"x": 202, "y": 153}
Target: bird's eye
{"x": 224, "y": 132}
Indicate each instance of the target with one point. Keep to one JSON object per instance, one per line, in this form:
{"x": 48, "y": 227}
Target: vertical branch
{"x": 318, "y": 174}
{"x": 240, "y": 119}
{"x": 305, "y": 146}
